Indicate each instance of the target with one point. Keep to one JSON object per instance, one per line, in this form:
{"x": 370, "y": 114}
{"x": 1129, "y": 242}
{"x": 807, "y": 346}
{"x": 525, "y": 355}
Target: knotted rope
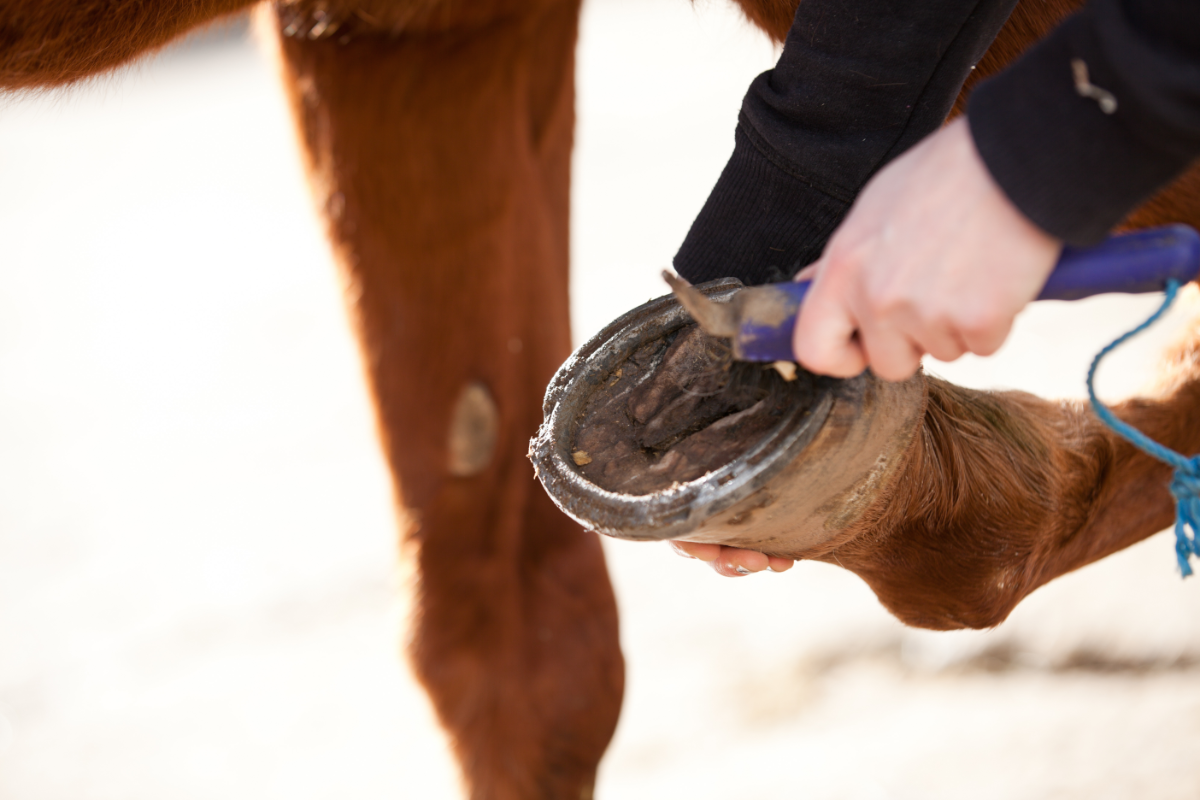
{"x": 1185, "y": 484}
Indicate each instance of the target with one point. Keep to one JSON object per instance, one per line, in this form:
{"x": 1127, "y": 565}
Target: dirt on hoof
{"x": 676, "y": 409}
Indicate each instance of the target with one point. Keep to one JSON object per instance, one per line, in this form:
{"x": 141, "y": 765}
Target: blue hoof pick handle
{"x": 1132, "y": 263}
{"x": 760, "y": 320}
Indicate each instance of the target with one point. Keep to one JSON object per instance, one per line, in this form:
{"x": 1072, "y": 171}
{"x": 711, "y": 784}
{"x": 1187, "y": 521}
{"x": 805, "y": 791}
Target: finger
{"x": 735, "y": 562}
{"x": 940, "y": 341}
{"x": 926, "y": 330}
{"x": 984, "y": 337}
{"x": 777, "y": 564}
{"x": 824, "y": 341}
{"x": 807, "y": 274}
{"x": 891, "y": 354}
{"x": 702, "y": 552}
{"x": 943, "y": 348}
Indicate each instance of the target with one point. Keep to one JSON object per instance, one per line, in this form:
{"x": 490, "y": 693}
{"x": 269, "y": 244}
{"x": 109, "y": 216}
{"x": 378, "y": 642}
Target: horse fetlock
{"x": 990, "y": 504}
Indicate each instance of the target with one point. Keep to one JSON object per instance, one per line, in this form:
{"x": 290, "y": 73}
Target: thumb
{"x": 808, "y": 273}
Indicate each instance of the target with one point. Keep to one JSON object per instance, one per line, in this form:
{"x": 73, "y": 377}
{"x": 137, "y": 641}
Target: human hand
{"x": 732, "y": 562}
{"x": 932, "y": 258}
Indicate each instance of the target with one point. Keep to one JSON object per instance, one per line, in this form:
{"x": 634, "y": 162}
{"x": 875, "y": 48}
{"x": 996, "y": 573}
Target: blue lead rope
{"x": 1185, "y": 484}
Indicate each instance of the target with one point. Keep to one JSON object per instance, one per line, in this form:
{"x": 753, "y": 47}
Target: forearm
{"x": 1073, "y": 163}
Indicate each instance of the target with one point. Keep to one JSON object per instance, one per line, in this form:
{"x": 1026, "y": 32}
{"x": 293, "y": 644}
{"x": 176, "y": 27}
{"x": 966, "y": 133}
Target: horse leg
{"x": 440, "y": 157}
{"x": 1001, "y": 492}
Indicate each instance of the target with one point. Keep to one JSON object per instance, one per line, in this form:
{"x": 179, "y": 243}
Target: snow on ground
{"x": 195, "y": 526}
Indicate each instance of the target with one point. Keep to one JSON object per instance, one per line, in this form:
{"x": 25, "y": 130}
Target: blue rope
{"x": 1185, "y": 484}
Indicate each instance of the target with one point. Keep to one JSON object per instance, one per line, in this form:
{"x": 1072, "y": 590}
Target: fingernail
{"x": 681, "y": 552}
{"x": 741, "y": 570}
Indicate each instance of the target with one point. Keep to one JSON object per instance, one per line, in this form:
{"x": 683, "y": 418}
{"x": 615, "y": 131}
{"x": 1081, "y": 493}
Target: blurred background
{"x": 196, "y": 540}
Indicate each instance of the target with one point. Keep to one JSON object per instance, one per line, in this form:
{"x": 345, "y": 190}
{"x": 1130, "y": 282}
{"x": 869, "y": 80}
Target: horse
{"x": 437, "y": 139}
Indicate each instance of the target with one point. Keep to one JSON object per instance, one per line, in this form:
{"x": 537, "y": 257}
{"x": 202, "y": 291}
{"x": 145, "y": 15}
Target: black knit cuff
{"x": 761, "y": 223}
{"x": 1074, "y": 170}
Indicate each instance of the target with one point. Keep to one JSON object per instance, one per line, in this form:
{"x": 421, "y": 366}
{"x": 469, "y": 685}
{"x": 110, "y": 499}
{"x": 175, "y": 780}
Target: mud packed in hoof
{"x": 678, "y": 408}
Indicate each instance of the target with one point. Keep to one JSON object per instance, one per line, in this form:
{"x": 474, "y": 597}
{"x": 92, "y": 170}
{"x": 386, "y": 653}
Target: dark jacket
{"x": 861, "y": 81}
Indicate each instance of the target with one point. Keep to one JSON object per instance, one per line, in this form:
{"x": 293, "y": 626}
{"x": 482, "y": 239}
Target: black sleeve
{"x": 859, "y": 82}
{"x": 1076, "y": 159}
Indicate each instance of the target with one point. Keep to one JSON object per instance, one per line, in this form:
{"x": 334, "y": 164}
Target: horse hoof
{"x": 650, "y": 432}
